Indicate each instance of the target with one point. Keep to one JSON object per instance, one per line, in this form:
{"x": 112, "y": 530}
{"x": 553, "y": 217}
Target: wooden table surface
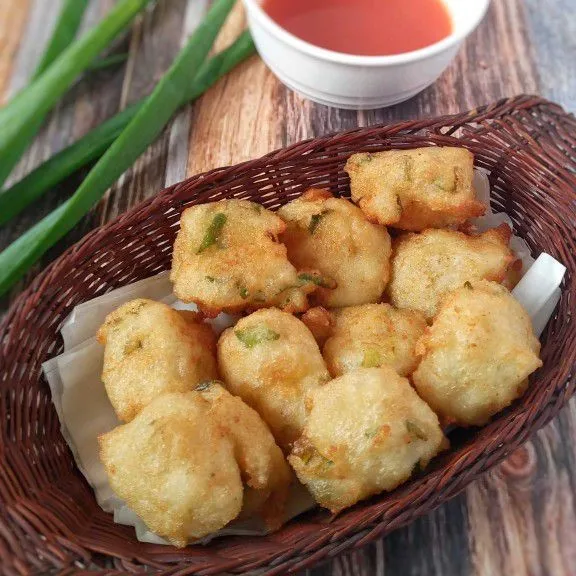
{"x": 520, "y": 518}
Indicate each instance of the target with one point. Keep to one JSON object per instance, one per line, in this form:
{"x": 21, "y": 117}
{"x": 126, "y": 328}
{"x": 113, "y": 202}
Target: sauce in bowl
{"x": 364, "y": 27}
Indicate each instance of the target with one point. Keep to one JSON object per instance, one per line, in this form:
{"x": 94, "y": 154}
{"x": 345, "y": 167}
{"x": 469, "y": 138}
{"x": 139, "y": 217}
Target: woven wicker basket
{"x": 49, "y": 520}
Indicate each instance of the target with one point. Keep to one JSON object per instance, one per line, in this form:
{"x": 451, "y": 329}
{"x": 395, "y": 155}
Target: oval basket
{"x": 49, "y": 520}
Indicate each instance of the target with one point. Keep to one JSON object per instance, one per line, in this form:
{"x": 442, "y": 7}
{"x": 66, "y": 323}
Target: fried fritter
{"x": 415, "y": 189}
{"x": 477, "y": 355}
{"x": 270, "y": 359}
{"x": 374, "y": 335}
{"x": 366, "y": 432}
{"x": 151, "y": 349}
{"x": 181, "y": 462}
{"x": 175, "y": 467}
{"x": 427, "y": 265}
{"x": 333, "y": 236}
{"x": 260, "y": 459}
{"x": 227, "y": 257}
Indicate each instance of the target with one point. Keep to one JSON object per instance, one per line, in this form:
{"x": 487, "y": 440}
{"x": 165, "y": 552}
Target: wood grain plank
{"x": 233, "y": 124}
{"x": 14, "y": 17}
{"x": 179, "y": 136}
{"x": 39, "y": 25}
{"x": 436, "y": 544}
{"x": 241, "y": 116}
{"x": 156, "y": 39}
{"x": 496, "y": 61}
{"x": 86, "y": 104}
{"x": 552, "y": 28}
{"x": 522, "y": 514}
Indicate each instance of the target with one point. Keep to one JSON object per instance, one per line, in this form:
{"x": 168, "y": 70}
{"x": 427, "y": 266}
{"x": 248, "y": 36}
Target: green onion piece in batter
{"x": 213, "y": 233}
{"x": 254, "y": 335}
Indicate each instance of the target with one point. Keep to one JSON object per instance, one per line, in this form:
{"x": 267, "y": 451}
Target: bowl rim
{"x": 256, "y": 11}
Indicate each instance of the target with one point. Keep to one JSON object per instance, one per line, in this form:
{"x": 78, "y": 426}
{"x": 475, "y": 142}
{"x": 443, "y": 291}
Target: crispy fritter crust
{"x": 270, "y": 359}
{"x": 261, "y": 461}
{"x": 151, "y": 349}
{"x": 175, "y": 467}
{"x": 320, "y": 322}
{"x": 477, "y": 355}
{"x": 366, "y": 432}
{"x": 427, "y": 265}
{"x": 181, "y": 463}
{"x": 333, "y": 236}
{"x": 227, "y": 257}
{"x": 415, "y": 189}
{"x": 374, "y": 335}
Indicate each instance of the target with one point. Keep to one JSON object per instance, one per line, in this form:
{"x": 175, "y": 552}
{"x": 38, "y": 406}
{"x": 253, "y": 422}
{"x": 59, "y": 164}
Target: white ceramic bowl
{"x": 358, "y": 82}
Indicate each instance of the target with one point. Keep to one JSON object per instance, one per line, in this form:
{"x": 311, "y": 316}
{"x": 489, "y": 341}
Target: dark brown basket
{"x": 49, "y": 520}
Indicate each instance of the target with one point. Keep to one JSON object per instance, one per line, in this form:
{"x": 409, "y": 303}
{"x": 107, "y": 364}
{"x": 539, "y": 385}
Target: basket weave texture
{"x": 49, "y": 520}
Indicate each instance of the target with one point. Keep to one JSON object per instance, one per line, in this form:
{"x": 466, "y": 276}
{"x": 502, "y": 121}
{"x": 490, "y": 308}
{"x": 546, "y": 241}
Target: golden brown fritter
{"x": 427, "y": 265}
{"x": 227, "y": 257}
{"x": 270, "y": 359}
{"x": 415, "y": 189}
{"x": 175, "y": 467}
{"x": 180, "y": 464}
{"x": 261, "y": 461}
{"x": 333, "y": 236}
{"x": 151, "y": 349}
{"x": 477, "y": 355}
{"x": 366, "y": 432}
{"x": 374, "y": 335}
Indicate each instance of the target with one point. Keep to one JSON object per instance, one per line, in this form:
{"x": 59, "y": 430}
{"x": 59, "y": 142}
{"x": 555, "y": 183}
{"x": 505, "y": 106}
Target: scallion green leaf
{"x": 91, "y": 146}
{"x": 66, "y": 162}
{"x": 146, "y": 125}
{"x": 314, "y": 278}
{"x": 206, "y": 385}
{"x": 244, "y": 292}
{"x": 254, "y": 335}
{"x": 416, "y": 430}
{"x": 108, "y": 61}
{"x": 213, "y": 232}
{"x": 64, "y": 32}
{"x": 21, "y": 118}
{"x": 315, "y": 220}
{"x": 371, "y": 359}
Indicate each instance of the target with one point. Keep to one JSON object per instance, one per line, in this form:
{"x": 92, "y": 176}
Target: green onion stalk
{"x": 64, "y": 33}
{"x": 22, "y": 117}
{"x": 141, "y": 131}
{"x": 91, "y": 146}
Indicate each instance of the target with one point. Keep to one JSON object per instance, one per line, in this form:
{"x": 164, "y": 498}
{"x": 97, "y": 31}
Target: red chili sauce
{"x": 364, "y": 27}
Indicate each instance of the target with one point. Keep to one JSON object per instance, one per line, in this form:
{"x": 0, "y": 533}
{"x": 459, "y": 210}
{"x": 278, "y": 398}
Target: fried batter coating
{"x": 415, "y": 189}
{"x": 427, "y": 265}
{"x": 366, "y": 432}
{"x": 333, "y": 236}
{"x": 260, "y": 459}
{"x": 181, "y": 462}
{"x": 227, "y": 257}
{"x": 477, "y": 355}
{"x": 320, "y": 322}
{"x": 270, "y": 359}
{"x": 175, "y": 467}
{"x": 151, "y": 349}
{"x": 374, "y": 335}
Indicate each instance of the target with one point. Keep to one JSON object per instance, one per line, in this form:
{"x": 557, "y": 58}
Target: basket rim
{"x": 361, "y": 533}
{"x": 494, "y": 110}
